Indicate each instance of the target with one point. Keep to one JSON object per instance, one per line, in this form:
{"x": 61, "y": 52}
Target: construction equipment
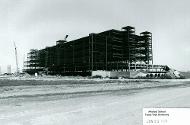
{"x": 16, "y": 56}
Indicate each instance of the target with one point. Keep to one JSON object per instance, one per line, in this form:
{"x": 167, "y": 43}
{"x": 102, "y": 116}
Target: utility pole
{"x": 17, "y": 70}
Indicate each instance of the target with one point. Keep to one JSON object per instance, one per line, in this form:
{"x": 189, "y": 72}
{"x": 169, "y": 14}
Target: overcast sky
{"x": 39, "y": 23}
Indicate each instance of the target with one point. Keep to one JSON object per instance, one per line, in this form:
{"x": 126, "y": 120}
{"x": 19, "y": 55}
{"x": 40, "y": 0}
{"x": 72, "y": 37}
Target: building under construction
{"x": 111, "y": 50}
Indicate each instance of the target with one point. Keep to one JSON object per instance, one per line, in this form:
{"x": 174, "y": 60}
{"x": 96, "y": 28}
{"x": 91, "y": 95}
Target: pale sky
{"x": 39, "y": 23}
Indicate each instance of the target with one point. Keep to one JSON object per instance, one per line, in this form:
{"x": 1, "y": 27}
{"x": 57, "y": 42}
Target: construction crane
{"x": 17, "y": 70}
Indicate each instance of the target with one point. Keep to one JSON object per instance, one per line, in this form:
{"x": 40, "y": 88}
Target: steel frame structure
{"x": 109, "y": 50}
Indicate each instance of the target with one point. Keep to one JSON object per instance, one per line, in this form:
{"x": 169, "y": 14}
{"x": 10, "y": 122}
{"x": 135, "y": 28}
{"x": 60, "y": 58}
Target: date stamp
{"x": 166, "y": 116}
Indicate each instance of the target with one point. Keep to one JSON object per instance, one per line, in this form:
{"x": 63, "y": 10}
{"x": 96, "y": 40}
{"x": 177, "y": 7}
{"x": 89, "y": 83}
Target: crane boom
{"x": 17, "y": 70}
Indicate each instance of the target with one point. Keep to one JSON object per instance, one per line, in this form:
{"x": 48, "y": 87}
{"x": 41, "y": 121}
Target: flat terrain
{"x": 86, "y": 102}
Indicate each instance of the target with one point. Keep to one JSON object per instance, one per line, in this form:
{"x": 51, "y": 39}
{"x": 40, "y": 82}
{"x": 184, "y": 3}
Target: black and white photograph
{"x": 94, "y": 62}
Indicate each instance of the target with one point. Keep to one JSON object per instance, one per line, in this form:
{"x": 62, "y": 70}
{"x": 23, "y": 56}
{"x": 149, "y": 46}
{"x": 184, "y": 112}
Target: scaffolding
{"x": 111, "y": 50}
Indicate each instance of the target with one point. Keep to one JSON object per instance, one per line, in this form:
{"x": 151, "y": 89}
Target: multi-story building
{"x": 111, "y": 50}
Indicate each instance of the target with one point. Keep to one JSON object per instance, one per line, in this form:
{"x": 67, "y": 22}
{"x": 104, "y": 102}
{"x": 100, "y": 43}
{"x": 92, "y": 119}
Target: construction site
{"x": 112, "y": 53}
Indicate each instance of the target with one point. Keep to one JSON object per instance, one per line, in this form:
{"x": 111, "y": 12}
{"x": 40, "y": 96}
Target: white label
{"x": 166, "y": 116}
